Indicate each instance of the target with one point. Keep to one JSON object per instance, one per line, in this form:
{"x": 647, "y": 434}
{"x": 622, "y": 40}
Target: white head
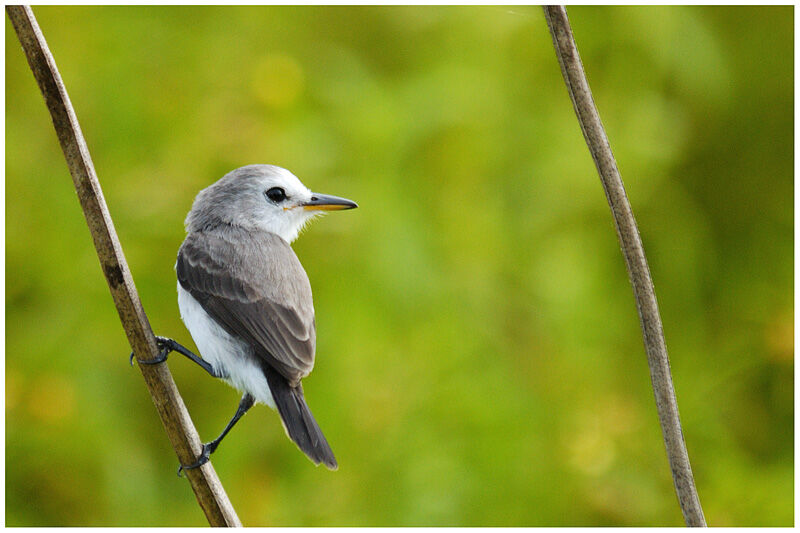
{"x": 260, "y": 198}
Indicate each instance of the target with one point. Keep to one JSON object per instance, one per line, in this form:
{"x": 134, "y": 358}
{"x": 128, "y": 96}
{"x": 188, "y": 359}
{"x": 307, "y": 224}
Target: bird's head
{"x": 261, "y": 198}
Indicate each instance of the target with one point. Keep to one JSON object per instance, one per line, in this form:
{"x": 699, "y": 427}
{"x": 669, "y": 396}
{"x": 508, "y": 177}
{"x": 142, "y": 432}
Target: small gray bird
{"x": 246, "y": 299}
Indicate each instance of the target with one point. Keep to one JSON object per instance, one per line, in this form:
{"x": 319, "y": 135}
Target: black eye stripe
{"x": 275, "y": 194}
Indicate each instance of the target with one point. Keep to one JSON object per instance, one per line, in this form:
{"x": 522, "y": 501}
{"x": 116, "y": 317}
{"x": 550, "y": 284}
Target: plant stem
{"x": 177, "y": 423}
{"x": 635, "y": 260}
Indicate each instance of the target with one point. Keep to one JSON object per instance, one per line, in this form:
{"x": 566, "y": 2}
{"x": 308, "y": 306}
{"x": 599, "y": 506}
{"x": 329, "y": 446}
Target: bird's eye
{"x": 276, "y": 194}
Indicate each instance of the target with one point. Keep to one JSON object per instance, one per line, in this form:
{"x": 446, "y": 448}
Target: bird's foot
{"x": 208, "y": 449}
{"x": 166, "y": 345}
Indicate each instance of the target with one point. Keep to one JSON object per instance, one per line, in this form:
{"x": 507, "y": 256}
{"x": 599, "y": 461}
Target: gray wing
{"x": 256, "y": 289}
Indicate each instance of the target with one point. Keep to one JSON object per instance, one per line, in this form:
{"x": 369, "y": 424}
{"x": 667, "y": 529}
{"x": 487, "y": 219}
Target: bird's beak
{"x": 326, "y": 202}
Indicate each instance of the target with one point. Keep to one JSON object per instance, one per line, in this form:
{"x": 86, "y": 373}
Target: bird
{"x": 246, "y": 299}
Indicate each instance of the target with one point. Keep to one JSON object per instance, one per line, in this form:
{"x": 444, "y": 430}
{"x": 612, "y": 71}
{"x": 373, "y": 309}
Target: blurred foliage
{"x": 479, "y": 358}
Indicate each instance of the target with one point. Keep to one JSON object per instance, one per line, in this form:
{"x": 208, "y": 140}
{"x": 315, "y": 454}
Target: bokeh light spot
{"x": 52, "y": 398}
{"x": 278, "y": 80}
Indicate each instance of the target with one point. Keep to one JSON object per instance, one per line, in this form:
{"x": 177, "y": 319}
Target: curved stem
{"x": 633, "y": 251}
{"x": 182, "y": 433}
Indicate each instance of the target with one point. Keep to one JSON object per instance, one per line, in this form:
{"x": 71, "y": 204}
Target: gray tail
{"x": 299, "y": 422}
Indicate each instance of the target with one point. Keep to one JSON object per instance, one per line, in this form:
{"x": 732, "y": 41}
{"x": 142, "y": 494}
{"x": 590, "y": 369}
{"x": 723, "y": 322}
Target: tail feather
{"x": 298, "y": 421}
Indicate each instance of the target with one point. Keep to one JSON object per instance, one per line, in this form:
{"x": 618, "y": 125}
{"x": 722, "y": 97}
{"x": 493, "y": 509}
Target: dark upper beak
{"x": 326, "y": 202}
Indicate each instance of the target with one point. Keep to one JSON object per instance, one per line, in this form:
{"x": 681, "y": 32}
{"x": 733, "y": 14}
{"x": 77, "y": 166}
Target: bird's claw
{"x": 166, "y": 345}
{"x": 203, "y": 459}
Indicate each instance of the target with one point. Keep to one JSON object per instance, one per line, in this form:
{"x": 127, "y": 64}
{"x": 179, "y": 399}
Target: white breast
{"x": 229, "y": 356}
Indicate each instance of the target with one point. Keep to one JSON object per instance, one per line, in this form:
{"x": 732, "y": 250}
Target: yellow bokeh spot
{"x": 590, "y": 447}
{"x": 51, "y": 399}
{"x": 278, "y": 80}
{"x": 779, "y": 337}
{"x": 592, "y": 452}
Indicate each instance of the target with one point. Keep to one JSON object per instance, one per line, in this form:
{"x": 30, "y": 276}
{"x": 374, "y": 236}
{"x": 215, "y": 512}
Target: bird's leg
{"x": 168, "y": 345}
{"x": 246, "y": 403}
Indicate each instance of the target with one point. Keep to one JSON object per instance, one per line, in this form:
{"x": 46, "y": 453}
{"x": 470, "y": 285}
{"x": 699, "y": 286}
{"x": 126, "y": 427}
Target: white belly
{"x": 229, "y": 356}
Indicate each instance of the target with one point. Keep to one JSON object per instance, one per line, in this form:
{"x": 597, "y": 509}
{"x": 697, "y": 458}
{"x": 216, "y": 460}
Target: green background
{"x": 479, "y": 358}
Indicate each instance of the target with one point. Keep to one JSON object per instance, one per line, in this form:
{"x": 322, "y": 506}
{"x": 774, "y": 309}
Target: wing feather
{"x": 256, "y": 289}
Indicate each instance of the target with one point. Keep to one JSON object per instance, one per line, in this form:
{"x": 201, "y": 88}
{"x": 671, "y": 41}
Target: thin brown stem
{"x": 633, "y": 251}
{"x": 177, "y": 423}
